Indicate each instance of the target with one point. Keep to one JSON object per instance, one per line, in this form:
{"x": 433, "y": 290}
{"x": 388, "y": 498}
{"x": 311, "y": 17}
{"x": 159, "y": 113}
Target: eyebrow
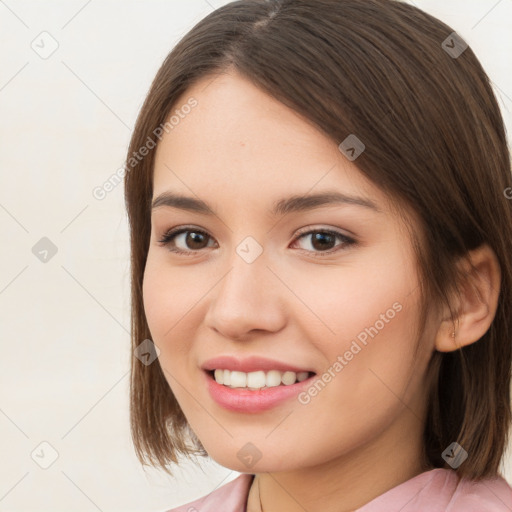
{"x": 296, "y": 203}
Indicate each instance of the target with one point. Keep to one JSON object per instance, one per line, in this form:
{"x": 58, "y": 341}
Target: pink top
{"x": 437, "y": 490}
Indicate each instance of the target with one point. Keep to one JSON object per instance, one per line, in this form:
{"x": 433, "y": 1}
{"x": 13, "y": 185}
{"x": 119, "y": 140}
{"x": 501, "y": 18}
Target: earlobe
{"x": 476, "y": 306}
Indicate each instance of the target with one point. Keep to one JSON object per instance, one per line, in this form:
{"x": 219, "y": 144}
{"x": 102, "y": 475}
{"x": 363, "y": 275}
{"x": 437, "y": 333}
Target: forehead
{"x": 240, "y": 141}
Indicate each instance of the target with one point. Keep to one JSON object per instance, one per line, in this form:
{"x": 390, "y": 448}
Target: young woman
{"x": 321, "y": 238}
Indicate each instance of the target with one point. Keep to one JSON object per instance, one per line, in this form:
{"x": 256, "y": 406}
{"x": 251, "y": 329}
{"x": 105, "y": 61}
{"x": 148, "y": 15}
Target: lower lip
{"x": 245, "y": 400}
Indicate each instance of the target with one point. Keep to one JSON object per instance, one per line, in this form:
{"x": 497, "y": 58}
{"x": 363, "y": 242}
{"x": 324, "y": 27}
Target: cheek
{"x": 166, "y": 298}
{"x": 372, "y": 313}
{"x": 343, "y": 301}
{"x": 371, "y": 368}
{"x": 165, "y": 305}
{"x": 174, "y": 301}
{"x": 155, "y": 298}
{"x": 364, "y": 386}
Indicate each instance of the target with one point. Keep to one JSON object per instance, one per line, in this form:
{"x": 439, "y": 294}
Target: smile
{"x": 258, "y": 379}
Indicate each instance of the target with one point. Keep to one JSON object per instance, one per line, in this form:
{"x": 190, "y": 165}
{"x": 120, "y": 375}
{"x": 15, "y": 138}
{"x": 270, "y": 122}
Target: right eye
{"x": 185, "y": 241}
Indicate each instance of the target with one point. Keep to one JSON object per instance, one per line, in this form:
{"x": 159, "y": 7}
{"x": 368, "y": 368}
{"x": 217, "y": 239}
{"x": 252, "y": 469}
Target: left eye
{"x": 193, "y": 240}
{"x": 322, "y": 240}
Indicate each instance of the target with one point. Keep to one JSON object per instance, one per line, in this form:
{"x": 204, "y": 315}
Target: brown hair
{"x": 435, "y": 142}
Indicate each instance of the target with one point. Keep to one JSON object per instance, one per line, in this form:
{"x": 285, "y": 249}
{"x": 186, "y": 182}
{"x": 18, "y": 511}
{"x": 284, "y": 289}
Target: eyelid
{"x": 322, "y": 228}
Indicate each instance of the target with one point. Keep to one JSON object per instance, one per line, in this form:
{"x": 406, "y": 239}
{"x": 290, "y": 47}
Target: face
{"x": 316, "y": 300}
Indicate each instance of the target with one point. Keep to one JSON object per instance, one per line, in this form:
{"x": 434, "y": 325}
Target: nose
{"x": 248, "y": 300}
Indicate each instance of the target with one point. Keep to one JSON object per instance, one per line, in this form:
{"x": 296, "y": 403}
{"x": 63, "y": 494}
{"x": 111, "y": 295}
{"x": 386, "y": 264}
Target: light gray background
{"x": 65, "y": 122}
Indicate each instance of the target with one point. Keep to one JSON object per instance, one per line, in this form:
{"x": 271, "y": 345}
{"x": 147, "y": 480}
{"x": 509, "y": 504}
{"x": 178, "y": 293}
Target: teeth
{"x": 302, "y": 376}
{"x": 289, "y": 378}
{"x": 238, "y": 379}
{"x": 273, "y": 378}
{"x": 219, "y": 376}
{"x": 258, "y": 379}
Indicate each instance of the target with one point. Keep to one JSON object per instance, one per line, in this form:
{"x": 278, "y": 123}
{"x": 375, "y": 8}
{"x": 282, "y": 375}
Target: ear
{"x": 476, "y": 306}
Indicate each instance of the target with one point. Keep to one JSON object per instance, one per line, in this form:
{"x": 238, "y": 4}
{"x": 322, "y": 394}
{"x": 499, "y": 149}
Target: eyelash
{"x": 169, "y": 236}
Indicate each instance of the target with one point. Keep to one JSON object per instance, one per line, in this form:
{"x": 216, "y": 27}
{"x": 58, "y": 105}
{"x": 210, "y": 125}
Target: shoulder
{"x": 231, "y": 497}
{"x": 485, "y": 494}
{"x": 441, "y": 490}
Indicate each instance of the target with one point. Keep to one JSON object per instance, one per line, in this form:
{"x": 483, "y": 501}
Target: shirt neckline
{"x": 253, "y": 503}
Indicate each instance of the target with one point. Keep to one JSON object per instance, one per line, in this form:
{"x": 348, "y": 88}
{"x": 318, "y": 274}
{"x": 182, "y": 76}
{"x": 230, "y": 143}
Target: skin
{"x": 240, "y": 151}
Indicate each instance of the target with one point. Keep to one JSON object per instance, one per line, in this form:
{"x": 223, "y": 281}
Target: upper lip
{"x": 249, "y": 364}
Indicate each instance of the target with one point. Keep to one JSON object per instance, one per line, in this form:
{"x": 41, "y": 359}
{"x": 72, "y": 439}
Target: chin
{"x": 246, "y": 457}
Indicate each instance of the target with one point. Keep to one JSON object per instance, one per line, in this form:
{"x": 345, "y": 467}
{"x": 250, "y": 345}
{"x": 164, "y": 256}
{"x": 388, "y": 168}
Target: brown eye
{"x": 185, "y": 240}
{"x": 324, "y": 241}
{"x": 194, "y": 240}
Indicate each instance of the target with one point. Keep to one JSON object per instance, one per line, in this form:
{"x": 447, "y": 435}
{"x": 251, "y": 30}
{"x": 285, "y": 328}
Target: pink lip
{"x": 249, "y": 364}
{"x": 246, "y": 400}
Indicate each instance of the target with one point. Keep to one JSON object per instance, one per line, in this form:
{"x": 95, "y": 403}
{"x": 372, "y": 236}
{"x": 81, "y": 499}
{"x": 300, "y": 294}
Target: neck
{"x": 349, "y": 481}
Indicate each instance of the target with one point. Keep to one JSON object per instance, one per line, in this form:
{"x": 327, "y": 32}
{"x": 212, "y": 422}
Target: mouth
{"x": 254, "y": 384}
{"x": 257, "y": 380}
{"x": 256, "y": 391}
